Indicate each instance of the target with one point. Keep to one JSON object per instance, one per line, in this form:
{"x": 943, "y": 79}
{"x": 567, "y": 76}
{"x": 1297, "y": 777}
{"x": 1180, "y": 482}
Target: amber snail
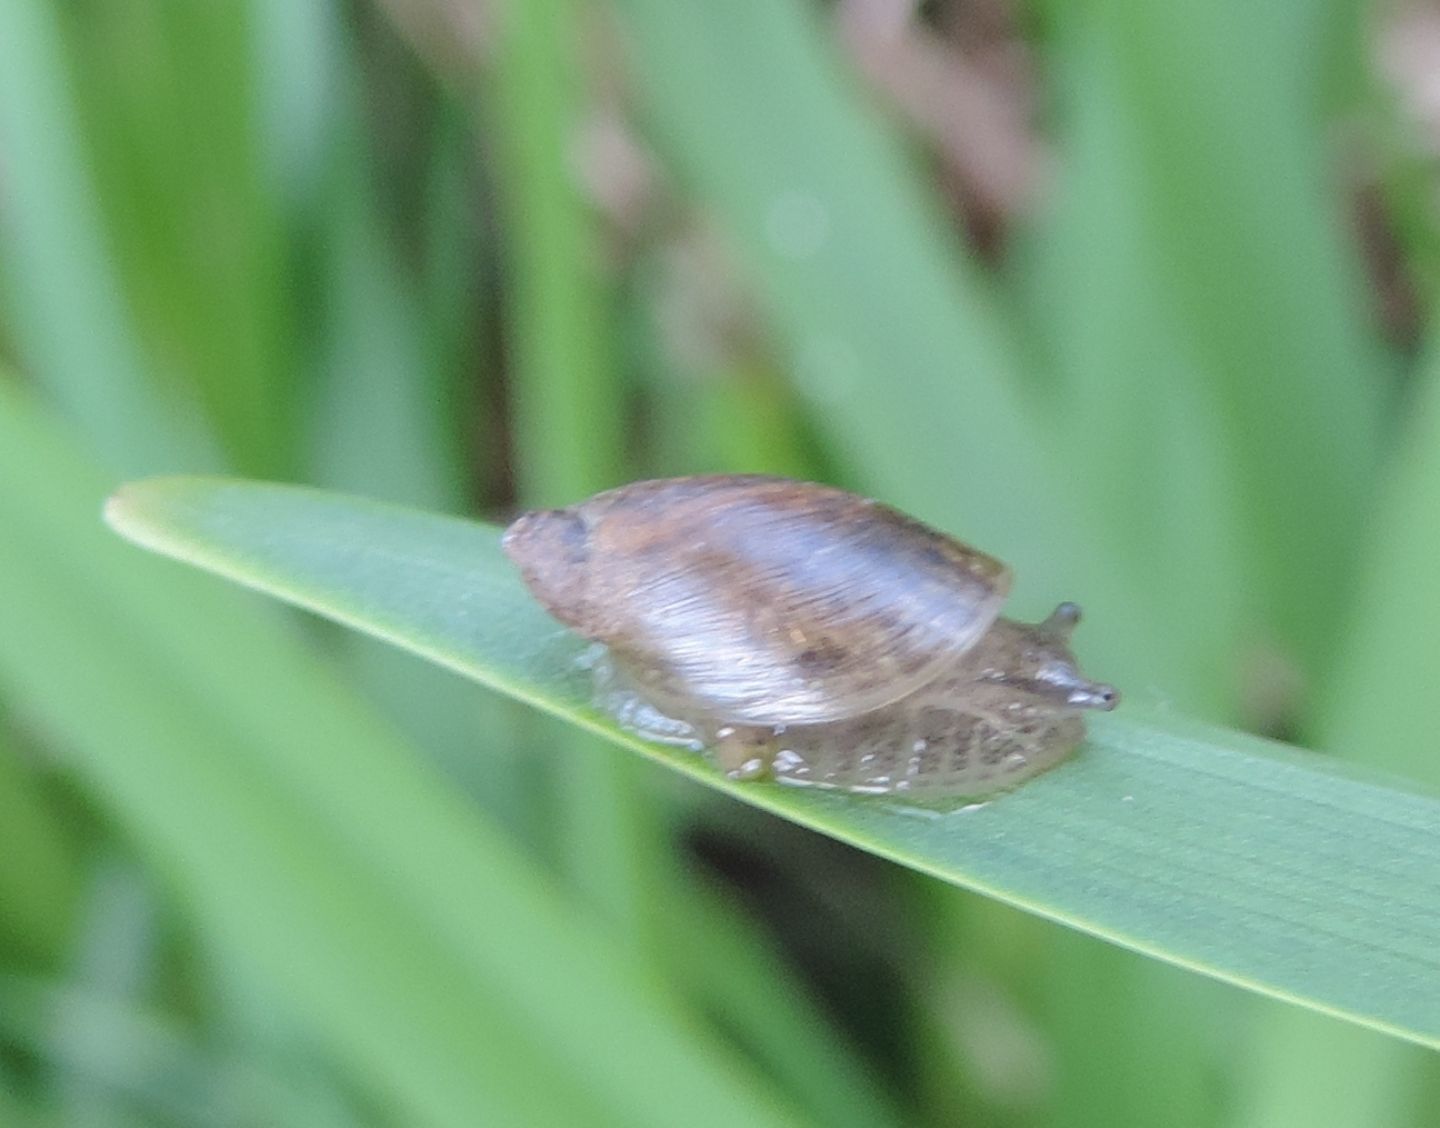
{"x": 807, "y": 634}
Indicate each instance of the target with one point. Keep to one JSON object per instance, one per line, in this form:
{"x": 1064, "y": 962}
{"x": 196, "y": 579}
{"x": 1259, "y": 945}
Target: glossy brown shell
{"x": 760, "y": 600}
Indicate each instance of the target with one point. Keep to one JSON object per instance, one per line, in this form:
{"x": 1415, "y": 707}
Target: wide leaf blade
{"x": 1259, "y": 864}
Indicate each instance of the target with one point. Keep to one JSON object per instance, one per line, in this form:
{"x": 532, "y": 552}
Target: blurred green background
{"x": 1138, "y": 297}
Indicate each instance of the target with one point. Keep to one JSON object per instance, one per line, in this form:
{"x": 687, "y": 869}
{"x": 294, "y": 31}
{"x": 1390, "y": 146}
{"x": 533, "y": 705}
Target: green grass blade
{"x": 1249, "y": 861}
{"x": 1231, "y": 191}
{"x": 116, "y": 952}
{"x": 1377, "y": 710}
{"x": 39, "y": 867}
{"x": 568, "y": 413}
{"x": 125, "y": 1052}
{"x": 73, "y": 330}
{"x": 715, "y": 949}
{"x": 899, "y": 344}
{"x": 1303, "y": 1068}
{"x": 195, "y": 220}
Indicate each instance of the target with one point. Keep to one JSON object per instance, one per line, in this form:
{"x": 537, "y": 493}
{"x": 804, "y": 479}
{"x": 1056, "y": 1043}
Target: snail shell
{"x": 805, "y": 631}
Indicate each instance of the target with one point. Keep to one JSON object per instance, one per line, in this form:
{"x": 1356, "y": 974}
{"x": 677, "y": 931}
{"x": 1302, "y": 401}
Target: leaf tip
{"x": 117, "y": 509}
{"x": 113, "y": 512}
{"x": 124, "y": 510}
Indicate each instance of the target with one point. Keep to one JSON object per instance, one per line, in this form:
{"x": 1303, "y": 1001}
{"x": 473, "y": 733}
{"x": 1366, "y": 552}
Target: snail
{"x": 806, "y": 634}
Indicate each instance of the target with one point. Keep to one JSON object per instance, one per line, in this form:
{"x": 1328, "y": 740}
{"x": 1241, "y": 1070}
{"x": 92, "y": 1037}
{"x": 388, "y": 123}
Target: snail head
{"x": 1042, "y": 664}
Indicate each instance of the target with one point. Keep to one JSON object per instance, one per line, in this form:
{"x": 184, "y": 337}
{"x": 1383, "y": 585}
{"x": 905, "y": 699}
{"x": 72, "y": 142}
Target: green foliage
{"x": 254, "y": 870}
{"x": 1201, "y": 846}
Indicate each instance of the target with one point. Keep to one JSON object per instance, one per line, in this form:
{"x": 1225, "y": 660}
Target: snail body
{"x": 804, "y": 632}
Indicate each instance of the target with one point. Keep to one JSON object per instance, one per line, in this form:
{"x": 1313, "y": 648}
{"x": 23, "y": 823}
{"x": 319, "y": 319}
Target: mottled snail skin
{"x": 972, "y": 731}
{"x": 801, "y": 631}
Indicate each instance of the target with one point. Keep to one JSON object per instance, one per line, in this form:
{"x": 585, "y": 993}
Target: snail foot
{"x": 744, "y": 752}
